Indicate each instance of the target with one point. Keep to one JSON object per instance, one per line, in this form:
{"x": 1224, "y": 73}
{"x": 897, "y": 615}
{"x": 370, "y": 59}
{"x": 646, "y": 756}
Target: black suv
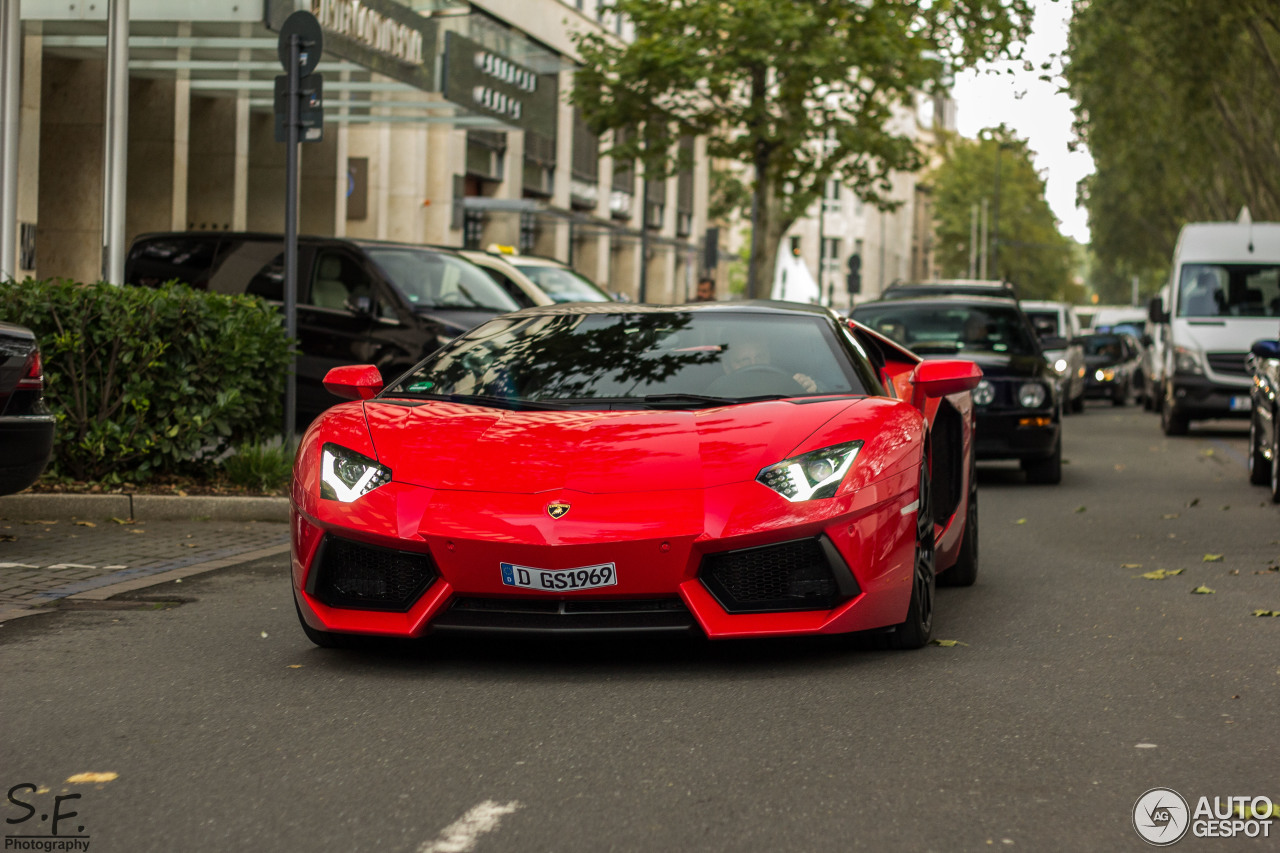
{"x": 359, "y": 301}
{"x": 1018, "y": 409}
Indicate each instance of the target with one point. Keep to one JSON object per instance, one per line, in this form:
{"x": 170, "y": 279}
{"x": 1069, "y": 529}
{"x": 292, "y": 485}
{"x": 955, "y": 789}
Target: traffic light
{"x": 855, "y": 274}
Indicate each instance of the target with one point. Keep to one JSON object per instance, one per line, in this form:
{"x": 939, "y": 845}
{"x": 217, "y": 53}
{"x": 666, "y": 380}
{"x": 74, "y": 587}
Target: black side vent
{"x": 365, "y": 577}
{"x": 804, "y": 574}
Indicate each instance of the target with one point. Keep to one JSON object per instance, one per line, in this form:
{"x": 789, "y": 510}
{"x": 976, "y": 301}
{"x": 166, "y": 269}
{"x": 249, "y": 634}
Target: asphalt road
{"x": 1077, "y": 686}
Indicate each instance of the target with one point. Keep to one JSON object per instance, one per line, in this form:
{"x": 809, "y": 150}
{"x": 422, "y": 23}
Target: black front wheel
{"x": 1172, "y": 421}
{"x": 1046, "y": 471}
{"x": 917, "y": 629}
{"x": 1259, "y": 464}
{"x": 965, "y": 571}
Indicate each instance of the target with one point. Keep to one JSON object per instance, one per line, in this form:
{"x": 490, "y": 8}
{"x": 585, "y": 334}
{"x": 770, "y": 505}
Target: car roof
{"x": 975, "y": 287}
{"x": 941, "y": 299}
{"x": 746, "y": 306}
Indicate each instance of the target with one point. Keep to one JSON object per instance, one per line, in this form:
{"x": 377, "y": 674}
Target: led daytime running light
{"x": 812, "y": 475}
{"x": 346, "y": 475}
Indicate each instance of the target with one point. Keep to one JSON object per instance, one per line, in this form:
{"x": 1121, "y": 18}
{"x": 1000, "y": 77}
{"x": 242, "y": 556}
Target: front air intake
{"x": 804, "y": 574}
{"x": 352, "y": 574}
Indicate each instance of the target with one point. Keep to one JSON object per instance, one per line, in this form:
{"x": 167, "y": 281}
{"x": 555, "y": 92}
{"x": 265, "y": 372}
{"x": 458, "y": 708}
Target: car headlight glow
{"x": 346, "y": 475}
{"x": 1061, "y": 365}
{"x": 1187, "y": 360}
{"x": 1032, "y": 395}
{"x": 816, "y": 474}
{"x": 1104, "y": 375}
{"x": 984, "y": 394}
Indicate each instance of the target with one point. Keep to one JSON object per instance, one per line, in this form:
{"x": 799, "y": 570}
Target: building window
{"x": 831, "y": 196}
{"x": 830, "y": 254}
{"x": 528, "y": 232}
{"x": 472, "y": 229}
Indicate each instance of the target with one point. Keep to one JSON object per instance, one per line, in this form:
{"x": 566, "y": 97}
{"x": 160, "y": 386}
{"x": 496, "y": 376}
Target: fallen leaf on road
{"x": 137, "y": 531}
{"x": 123, "y": 520}
{"x": 1119, "y": 467}
{"x": 188, "y": 545}
{"x": 946, "y": 644}
{"x": 1213, "y": 558}
{"x": 1160, "y": 574}
{"x": 39, "y": 522}
{"x": 1193, "y": 502}
{"x": 80, "y": 778}
{"x": 1021, "y": 521}
{"x": 1226, "y": 506}
{"x": 1169, "y": 515}
{"x": 85, "y": 524}
{"x": 1266, "y": 613}
{"x": 264, "y": 635}
{"x": 1234, "y": 572}
{"x": 1081, "y": 509}
{"x": 1131, "y": 565}
{"x": 1203, "y": 590}
{"x": 1208, "y": 451}
{"x": 295, "y": 666}
{"x": 8, "y": 537}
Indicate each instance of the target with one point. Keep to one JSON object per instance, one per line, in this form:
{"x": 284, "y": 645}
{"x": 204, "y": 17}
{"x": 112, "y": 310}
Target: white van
{"x": 1224, "y": 294}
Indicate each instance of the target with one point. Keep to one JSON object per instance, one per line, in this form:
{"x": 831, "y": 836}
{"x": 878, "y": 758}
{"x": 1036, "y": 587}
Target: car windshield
{"x": 1229, "y": 290}
{"x": 1107, "y": 346}
{"x": 665, "y": 359}
{"x": 1045, "y": 322}
{"x": 934, "y": 328}
{"x": 563, "y": 285}
{"x": 431, "y": 280}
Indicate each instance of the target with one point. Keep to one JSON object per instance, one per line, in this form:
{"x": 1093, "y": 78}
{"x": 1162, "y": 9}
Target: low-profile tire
{"x": 965, "y": 571}
{"x": 323, "y": 639}
{"x": 1275, "y": 461}
{"x": 1259, "y": 464}
{"x": 1046, "y": 471}
{"x": 917, "y": 629}
{"x": 1172, "y": 421}
{"x": 1077, "y": 405}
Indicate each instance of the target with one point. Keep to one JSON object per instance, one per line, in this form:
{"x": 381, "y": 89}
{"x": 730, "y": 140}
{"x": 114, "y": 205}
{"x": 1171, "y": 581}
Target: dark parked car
{"x": 359, "y": 301}
{"x": 1112, "y": 363}
{"x": 949, "y": 287}
{"x": 26, "y": 424}
{"x": 1264, "y": 420}
{"x": 1019, "y": 410}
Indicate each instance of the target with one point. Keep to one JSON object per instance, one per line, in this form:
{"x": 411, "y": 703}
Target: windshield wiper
{"x": 684, "y": 401}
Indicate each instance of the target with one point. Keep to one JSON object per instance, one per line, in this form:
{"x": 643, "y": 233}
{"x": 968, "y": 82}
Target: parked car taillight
{"x": 33, "y": 377}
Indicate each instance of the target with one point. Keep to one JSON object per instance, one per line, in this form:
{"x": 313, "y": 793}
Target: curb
{"x": 144, "y": 507}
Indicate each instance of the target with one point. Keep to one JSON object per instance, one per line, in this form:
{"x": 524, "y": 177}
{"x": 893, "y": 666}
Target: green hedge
{"x": 149, "y": 381}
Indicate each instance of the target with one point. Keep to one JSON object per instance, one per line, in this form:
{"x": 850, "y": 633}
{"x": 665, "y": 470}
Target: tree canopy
{"x": 1026, "y": 247}
{"x": 798, "y": 91}
{"x": 1179, "y": 103}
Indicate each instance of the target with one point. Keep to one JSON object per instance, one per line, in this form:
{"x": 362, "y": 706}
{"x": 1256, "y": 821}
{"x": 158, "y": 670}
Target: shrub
{"x": 151, "y": 381}
{"x": 261, "y": 466}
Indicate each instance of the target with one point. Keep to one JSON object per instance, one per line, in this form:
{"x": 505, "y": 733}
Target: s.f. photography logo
{"x": 1162, "y": 817}
{"x": 43, "y": 823}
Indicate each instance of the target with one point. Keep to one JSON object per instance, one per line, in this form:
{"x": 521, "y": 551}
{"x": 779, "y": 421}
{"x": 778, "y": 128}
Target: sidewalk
{"x": 91, "y": 547}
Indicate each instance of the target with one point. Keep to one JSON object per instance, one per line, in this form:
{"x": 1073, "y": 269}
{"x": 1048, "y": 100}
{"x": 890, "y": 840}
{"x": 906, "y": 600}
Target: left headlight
{"x": 346, "y": 475}
{"x": 816, "y": 474}
{"x": 1032, "y": 395}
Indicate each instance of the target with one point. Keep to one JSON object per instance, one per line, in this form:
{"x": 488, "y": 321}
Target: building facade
{"x": 443, "y": 122}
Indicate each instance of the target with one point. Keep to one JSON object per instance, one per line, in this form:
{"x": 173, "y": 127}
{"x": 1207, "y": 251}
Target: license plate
{"x": 1241, "y": 404}
{"x": 559, "y": 580}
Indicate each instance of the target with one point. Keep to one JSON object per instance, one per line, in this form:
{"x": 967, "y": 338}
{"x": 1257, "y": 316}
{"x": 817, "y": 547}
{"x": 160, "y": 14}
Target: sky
{"x": 1035, "y": 111}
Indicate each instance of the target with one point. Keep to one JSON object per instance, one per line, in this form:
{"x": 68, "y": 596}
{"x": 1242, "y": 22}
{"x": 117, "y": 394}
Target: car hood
{"x": 1093, "y": 362}
{"x": 995, "y": 365}
{"x": 447, "y": 445}
{"x": 458, "y": 320}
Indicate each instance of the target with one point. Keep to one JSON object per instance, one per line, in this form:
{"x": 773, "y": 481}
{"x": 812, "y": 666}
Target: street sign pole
{"x": 299, "y": 48}
{"x": 291, "y": 240}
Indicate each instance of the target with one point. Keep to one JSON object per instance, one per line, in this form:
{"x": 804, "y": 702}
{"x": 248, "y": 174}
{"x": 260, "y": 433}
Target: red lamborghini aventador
{"x": 740, "y": 469}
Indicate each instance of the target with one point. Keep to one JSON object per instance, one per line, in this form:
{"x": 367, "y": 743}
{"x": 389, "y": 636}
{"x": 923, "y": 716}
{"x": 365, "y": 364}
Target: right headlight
{"x": 984, "y": 394}
{"x": 1187, "y": 360}
{"x": 346, "y": 475}
{"x": 816, "y": 474}
{"x": 1032, "y": 395}
{"x": 1061, "y": 366}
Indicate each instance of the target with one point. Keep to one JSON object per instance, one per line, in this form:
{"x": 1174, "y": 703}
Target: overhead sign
{"x": 381, "y": 35}
{"x": 488, "y": 83}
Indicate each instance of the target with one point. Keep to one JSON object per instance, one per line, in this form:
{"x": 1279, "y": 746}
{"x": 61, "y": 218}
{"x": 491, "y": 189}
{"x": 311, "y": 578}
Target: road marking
{"x": 70, "y": 566}
{"x": 461, "y": 835}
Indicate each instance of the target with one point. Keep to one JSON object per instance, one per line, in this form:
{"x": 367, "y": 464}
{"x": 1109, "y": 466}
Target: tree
{"x": 1030, "y": 251}
{"x": 798, "y": 91}
{"x": 1179, "y": 103}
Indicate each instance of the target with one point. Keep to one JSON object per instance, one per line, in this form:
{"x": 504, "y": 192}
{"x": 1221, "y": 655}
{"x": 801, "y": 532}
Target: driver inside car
{"x": 750, "y": 353}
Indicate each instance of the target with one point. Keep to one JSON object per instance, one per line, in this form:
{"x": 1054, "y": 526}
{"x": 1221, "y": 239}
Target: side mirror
{"x": 353, "y": 381}
{"x": 1156, "y": 312}
{"x": 1265, "y": 349}
{"x": 942, "y": 377}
